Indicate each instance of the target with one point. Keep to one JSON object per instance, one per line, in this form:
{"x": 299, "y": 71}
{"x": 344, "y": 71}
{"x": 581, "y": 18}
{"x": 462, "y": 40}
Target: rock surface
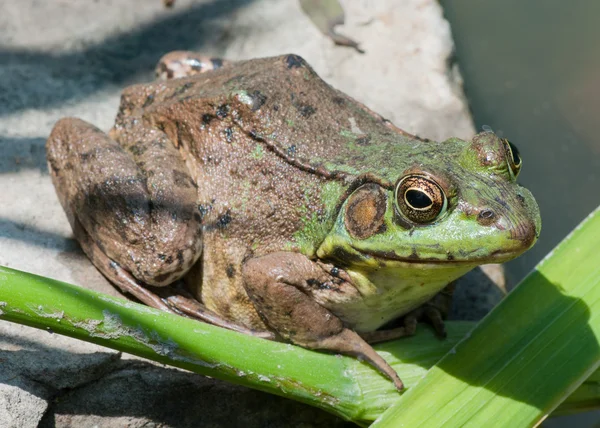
{"x": 67, "y": 58}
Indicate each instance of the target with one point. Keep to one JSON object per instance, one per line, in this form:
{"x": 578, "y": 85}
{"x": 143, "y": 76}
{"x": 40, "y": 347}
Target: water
{"x": 532, "y": 73}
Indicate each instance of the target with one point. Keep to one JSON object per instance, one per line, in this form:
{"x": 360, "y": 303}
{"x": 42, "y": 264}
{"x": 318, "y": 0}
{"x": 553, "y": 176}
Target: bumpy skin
{"x": 275, "y": 197}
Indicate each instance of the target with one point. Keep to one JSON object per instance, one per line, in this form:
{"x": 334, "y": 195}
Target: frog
{"x": 254, "y": 196}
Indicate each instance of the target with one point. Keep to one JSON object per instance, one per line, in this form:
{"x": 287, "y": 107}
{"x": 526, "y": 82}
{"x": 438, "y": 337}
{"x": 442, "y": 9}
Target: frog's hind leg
{"x": 132, "y": 207}
{"x": 115, "y": 273}
{"x": 186, "y": 63}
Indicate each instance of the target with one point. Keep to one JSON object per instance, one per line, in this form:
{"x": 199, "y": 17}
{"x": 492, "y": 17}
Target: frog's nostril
{"x": 486, "y": 217}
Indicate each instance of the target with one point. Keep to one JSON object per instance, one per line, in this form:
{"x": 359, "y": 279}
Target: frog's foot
{"x": 434, "y": 311}
{"x": 186, "y": 63}
{"x": 283, "y": 288}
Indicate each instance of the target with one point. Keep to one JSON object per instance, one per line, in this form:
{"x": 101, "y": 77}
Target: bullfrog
{"x": 288, "y": 209}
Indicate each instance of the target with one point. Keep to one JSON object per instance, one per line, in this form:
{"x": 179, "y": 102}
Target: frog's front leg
{"x": 132, "y": 206}
{"x": 281, "y": 287}
{"x": 434, "y": 311}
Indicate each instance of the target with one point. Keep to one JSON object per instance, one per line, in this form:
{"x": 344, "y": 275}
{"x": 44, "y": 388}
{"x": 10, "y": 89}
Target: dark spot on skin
{"x": 413, "y": 255}
{"x": 149, "y": 100}
{"x": 334, "y": 271}
{"x": 164, "y": 258}
{"x": 162, "y": 277}
{"x": 97, "y": 152}
{"x": 338, "y": 100}
{"x": 197, "y": 217}
{"x": 203, "y": 210}
{"x": 364, "y": 140}
{"x": 164, "y": 69}
{"x": 181, "y": 179}
{"x": 294, "y": 61}
{"x": 291, "y": 150}
{"x": 312, "y": 282}
{"x": 138, "y": 148}
{"x": 258, "y": 100}
{"x": 230, "y": 271}
{"x": 381, "y": 229}
{"x": 222, "y": 111}
{"x": 228, "y": 135}
{"x": 183, "y": 88}
{"x": 276, "y": 107}
{"x": 253, "y": 134}
{"x": 212, "y": 159}
{"x": 306, "y": 110}
{"x": 502, "y": 203}
{"x": 224, "y": 220}
{"x": 195, "y": 65}
{"x": 180, "y": 259}
{"x": 521, "y": 198}
{"x": 216, "y": 62}
{"x": 206, "y": 118}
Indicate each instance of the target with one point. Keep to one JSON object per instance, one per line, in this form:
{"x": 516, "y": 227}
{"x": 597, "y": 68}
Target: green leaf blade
{"x": 526, "y": 356}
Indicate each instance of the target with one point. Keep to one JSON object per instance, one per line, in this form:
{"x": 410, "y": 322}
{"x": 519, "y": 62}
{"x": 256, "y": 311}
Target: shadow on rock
{"x": 38, "y": 79}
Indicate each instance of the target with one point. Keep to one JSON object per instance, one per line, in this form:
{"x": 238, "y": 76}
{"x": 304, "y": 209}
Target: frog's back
{"x": 282, "y": 102}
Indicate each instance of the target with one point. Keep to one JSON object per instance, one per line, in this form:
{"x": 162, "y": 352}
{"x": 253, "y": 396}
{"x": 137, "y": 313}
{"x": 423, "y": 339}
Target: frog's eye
{"x": 514, "y": 158}
{"x": 420, "y": 199}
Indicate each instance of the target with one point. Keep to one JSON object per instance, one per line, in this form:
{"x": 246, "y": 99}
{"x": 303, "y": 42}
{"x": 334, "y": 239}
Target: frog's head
{"x": 452, "y": 203}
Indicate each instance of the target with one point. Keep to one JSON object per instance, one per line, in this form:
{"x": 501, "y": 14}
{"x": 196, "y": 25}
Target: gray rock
{"x": 73, "y": 58}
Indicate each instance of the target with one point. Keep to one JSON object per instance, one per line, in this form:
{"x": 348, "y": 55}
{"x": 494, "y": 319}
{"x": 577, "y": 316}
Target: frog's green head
{"x": 451, "y": 203}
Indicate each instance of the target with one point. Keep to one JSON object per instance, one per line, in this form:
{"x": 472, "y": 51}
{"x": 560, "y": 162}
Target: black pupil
{"x": 515, "y": 153}
{"x": 418, "y": 199}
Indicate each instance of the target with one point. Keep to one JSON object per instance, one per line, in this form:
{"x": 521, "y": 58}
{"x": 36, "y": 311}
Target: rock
{"x": 76, "y": 62}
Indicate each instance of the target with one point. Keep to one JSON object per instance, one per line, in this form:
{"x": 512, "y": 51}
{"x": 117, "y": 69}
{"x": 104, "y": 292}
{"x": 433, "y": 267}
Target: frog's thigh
{"x": 278, "y": 285}
{"x": 186, "y": 63}
{"x": 144, "y": 220}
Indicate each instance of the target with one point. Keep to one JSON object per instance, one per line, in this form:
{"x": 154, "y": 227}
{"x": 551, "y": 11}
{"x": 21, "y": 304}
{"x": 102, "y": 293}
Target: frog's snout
{"x": 520, "y": 218}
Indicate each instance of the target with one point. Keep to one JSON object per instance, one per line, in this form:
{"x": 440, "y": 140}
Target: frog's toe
{"x": 434, "y": 312}
{"x": 186, "y": 63}
{"x": 427, "y": 312}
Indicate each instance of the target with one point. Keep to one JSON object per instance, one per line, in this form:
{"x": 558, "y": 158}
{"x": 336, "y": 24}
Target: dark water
{"x": 532, "y": 73}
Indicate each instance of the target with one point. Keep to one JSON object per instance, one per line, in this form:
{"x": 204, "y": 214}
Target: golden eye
{"x": 420, "y": 199}
{"x": 514, "y": 157}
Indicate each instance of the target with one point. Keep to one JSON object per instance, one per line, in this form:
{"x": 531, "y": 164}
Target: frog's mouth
{"x": 465, "y": 259}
